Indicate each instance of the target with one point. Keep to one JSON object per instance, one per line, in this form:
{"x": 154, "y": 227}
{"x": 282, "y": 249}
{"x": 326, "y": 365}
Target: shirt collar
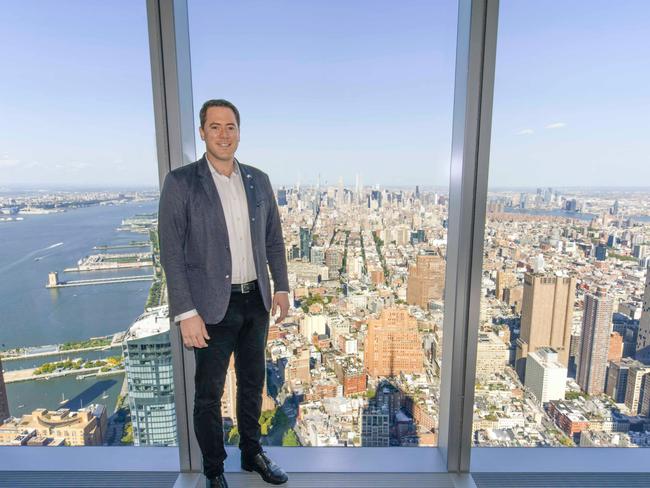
{"x": 214, "y": 172}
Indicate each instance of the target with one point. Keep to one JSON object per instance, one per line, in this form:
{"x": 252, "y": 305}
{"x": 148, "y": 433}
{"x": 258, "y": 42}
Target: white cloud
{"x": 556, "y": 125}
{"x": 525, "y": 132}
{"x": 9, "y": 163}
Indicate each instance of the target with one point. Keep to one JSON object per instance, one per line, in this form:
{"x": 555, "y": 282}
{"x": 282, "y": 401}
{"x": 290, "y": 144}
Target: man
{"x": 219, "y": 227}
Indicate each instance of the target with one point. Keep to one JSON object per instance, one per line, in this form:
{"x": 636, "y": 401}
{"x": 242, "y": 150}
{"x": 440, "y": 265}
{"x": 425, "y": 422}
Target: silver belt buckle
{"x": 246, "y": 287}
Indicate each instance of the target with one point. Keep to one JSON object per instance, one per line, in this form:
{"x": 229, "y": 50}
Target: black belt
{"x": 243, "y": 287}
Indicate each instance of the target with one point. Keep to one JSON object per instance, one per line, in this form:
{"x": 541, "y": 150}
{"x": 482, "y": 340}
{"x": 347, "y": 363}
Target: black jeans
{"x": 244, "y": 331}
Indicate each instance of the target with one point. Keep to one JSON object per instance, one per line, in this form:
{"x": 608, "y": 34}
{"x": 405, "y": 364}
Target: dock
{"x": 123, "y": 246}
{"x": 55, "y": 283}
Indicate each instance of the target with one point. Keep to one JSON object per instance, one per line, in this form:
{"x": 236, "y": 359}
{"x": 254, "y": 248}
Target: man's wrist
{"x": 186, "y": 315}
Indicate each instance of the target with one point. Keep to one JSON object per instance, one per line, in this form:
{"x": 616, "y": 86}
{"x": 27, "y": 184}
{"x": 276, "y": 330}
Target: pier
{"x": 53, "y": 281}
{"x": 101, "y": 262}
{"x": 123, "y": 246}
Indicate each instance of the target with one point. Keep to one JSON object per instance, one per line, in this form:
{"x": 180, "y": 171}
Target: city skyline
{"x": 549, "y": 128}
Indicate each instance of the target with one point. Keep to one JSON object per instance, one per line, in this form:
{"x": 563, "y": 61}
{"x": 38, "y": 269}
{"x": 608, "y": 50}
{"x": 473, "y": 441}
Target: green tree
{"x": 233, "y": 437}
{"x": 127, "y": 437}
{"x": 290, "y": 439}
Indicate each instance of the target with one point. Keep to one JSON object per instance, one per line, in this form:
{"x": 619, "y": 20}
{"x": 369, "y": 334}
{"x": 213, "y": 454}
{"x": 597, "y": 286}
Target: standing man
{"x": 219, "y": 228}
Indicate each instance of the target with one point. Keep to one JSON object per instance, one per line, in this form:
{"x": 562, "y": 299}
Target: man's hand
{"x": 194, "y": 332}
{"x": 281, "y": 301}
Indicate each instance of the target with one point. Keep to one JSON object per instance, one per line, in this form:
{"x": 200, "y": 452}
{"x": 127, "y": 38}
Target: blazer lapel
{"x": 211, "y": 190}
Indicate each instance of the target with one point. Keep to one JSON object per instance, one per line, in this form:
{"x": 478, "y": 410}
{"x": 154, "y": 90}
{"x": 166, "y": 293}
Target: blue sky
{"x": 334, "y": 88}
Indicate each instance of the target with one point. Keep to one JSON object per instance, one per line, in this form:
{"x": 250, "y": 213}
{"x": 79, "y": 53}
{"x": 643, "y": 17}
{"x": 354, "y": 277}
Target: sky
{"x": 334, "y": 88}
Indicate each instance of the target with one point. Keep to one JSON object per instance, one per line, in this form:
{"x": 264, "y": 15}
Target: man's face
{"x": 220, "y": 133}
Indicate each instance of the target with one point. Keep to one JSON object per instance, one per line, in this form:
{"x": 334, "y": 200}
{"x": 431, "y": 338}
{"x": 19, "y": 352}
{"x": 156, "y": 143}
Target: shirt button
{"x": 253, "y": 219}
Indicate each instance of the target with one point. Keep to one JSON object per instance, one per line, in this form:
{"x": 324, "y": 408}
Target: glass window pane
{"x": 564, "y": 317}
{"x": 84, "y": 334}
{"x": 348, "y": 108}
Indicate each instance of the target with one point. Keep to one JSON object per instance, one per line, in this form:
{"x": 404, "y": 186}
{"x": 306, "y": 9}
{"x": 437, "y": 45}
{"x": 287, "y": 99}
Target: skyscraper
{"x": 547, "y": 315}
{"x": 426, "y": 279}
{"x": 305, "y": 243}
{"x": 601, "y": 252}
{"x": 282, "y": 197}
{"x": 594, "y": 346}
{"x": 4, "y": 401}
{"x": 617, "y": 379}
{"x": 229, "y": 398}
{"x": 644, "y": 402}
{"x": 636, "y": 377}
{"x": 148, "y": 364}
{"x": 545, "y": 376}
{"x": 393, "y": 344}
{"x": 505, "y": 279}
{"x": 615, "y": 347}
{"x": 643, "y": 339}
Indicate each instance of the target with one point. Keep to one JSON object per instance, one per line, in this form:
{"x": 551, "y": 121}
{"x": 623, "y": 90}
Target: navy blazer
{"x": 194, "y": 245}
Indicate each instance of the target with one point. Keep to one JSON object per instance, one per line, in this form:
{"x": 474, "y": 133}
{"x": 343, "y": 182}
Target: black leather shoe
{"x": 268, "y": 470}
{"x": 217, "y": 482}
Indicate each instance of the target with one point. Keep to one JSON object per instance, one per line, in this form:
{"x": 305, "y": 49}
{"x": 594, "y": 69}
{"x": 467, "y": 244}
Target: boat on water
{"x": 83, "y": 376}
{"x": 64, "y": 400}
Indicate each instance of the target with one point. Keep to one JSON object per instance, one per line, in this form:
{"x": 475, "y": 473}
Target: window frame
{"x": 473, "y": 95}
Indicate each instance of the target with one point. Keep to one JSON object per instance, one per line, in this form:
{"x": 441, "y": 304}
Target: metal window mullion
{"x": 473, "y": 93}
{"x": 171, "y": 79}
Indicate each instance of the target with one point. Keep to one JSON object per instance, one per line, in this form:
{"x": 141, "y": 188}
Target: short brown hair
{"x": 217, "y": 103}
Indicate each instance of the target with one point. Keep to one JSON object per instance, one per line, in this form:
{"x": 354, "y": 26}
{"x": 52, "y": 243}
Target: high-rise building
{"x": 644, "y": 407}
{"x": 426, "y": 279}
{"x": 333, "y": 259}
{"x": 313, "y": 324}
{"x": 491, "y": 356}
{"x": 643, "y": 339}
{"x": 545, "y": 376}
{"x": 4, "y": 400}
{"x": 505, "y": 279}
{"x": 514, "y": 297}
{"x": 148, "y": 364}
{"x": 300, "y": 366}
{"x": 601, "y": 252}
{"x": 229, "y": 397}
{"x": 317, "y": 255}
{"x": 282, "y": 197}
{"x": 393, "y": 344}
{"x": 615, "y": 352}
{"x": 305, "y": 243}
{"x": 547, "y": 316}
{"x": 640, "y": 251}
{"x": 637, "y": 375}
{"x": 374, "y": 429}
{"x": 594, "y": 345}
{"x": 617, "y": 374}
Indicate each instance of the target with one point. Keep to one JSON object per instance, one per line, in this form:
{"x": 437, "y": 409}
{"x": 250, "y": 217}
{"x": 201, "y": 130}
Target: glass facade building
{"x": 148, "y": 364}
